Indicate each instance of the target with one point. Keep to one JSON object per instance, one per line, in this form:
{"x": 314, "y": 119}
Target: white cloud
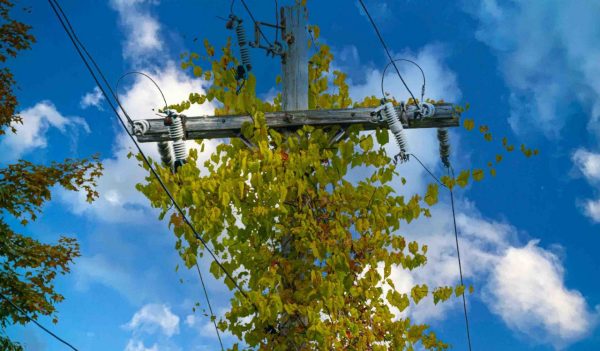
{"x": 137, "y": 345}
{"x": 548, "y": 63}
{"x": 591, "y": 209}
{"x": 523, "y": 285}
{"x": 93, "y": 98}
{"x": 31, "y": 135}
{"x": 119, "y": 201}
{"x": 153, "y": 318}
{"x": 588, "y": 163}
{"x": 142, "y": 37}
{"x": 441, "y": 81}
{"x": 527, "y": 290}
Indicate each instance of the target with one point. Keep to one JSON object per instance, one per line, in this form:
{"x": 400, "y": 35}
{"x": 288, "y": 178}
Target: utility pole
{"x": 294, "y": 98}
{"x": 296, "y": 114}
{"x": 295, "y": 60}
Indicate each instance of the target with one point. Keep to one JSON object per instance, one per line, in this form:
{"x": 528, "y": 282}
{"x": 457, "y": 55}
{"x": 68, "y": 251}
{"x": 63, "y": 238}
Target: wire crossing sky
{"x": 526, "y": 235}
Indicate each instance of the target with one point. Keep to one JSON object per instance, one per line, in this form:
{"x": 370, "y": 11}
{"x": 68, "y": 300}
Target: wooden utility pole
{"x": 295, "y": 60}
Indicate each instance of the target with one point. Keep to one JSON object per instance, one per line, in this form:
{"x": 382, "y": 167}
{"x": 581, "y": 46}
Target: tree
{"x": 313, "y": 250}
{"x": 28, "y": 267}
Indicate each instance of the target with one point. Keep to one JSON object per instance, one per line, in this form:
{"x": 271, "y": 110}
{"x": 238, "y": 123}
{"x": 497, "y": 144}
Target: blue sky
{"x": 528, "y": 68}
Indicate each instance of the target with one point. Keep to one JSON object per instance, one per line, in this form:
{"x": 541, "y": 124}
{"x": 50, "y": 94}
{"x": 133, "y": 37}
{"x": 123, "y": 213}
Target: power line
{"x": 145, "y": 75}
{"x": 36, "y": 322}
{"x": 255, "y": 22}
{"x": 54, "y": 4}
{"x": 212, "y": 314}
{"x": 451, "y": 172}
{"x": 386, "y": 49}
{"x": 409, "y": 61}
{"x": 75, "y": 39}
{"x": 459, "y": 262}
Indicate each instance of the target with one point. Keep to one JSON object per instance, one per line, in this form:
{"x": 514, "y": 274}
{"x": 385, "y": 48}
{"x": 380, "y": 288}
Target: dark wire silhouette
{"x": 451, "y": 173}
{"x": 212, "y": 314}
{"x": 409, "y": 61}
{"x": 145, "y": 75}
{"x": 54, "y": 4}
{"x": 36, "y": 322}
{"x": 386, "y": 49}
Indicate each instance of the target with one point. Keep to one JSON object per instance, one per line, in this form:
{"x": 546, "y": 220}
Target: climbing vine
{"x": 313, "y": 250}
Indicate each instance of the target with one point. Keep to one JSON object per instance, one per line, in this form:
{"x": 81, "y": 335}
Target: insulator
{"x": 165, "y": 149}
{"x": 176, "y": 133}
{"x": 443, "y": 138}
{"x": 240, "y": 33}
{"x": 395, "y": 125}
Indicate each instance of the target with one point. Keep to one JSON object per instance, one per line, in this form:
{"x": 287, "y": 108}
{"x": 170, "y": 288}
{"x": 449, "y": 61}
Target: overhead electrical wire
{"x": 48, "y": 331}
{"x": 392, "y": 61}
{"x": 386, "y": 49}
{"x": 212, "y": 314}
{"x": 145, "y": 75}
{"x": 409, "y": 61}
{"x": 451, "y": 173}
{"x": 54, "y": 4}
{"x": 262, "y": 34}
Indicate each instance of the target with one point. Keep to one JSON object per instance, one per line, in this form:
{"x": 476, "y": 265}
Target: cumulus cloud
{"x": 527, "y": 290}
{"x": 137, "y": 345}
{"x": 153, "y": 318}
{"x": 31, "y": 135}
{"x": 548, "y": 63}
{"x": 523, "y": 284}
{"x": 93, "y": 98}
{"x": 591, "y": 208}
{"x": 119, "y": 201}
{"x": 588, "y": 163}
{"x": 142, "y": 29}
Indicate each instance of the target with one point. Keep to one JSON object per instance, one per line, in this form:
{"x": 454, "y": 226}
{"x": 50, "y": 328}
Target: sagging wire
{"x": 409, "y": 61}
{"x": 48, "y": 331}
{"x": 386, "y": 49}
{"x": 173, "y": 152}
{"x": 212, "y": 314}
{"x": 80, "y": 49}
{"x": 445, "y": 156}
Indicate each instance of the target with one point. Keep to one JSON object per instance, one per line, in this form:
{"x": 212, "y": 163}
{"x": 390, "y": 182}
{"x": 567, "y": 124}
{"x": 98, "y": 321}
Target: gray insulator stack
{"x": 242, "y": 43}
{"x": 177, "y": 134}
{"x": 395, "y": 125}
{"x": 443, "y": 138}
{"x": 166, "y": 153}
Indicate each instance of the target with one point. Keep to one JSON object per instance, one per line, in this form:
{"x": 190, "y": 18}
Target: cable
{"x": 406, "y": 60}
{"x": 276, "y": 21}
{"x": 54, "y": 4}
{"x": 386, "y": 49}
{"x": 145, "y": 75}
{"x": 255, "y": 22}
{"x": 459, "y": 262}
{"x": 451, "y": 173}
{"x": 36, "y": 322}
{"x": 73, "y": 36}
{"x": 212, "y": 314}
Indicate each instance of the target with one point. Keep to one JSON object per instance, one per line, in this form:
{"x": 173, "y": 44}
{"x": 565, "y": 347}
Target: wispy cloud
{"x": 141, "y": 29}
{"x": 154, "y": 318}
{"x": 588, "y": 163}
{"x": 93, "y": 98}
{"x": 548, "y": 63}
{"x": 31, "y": 135}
